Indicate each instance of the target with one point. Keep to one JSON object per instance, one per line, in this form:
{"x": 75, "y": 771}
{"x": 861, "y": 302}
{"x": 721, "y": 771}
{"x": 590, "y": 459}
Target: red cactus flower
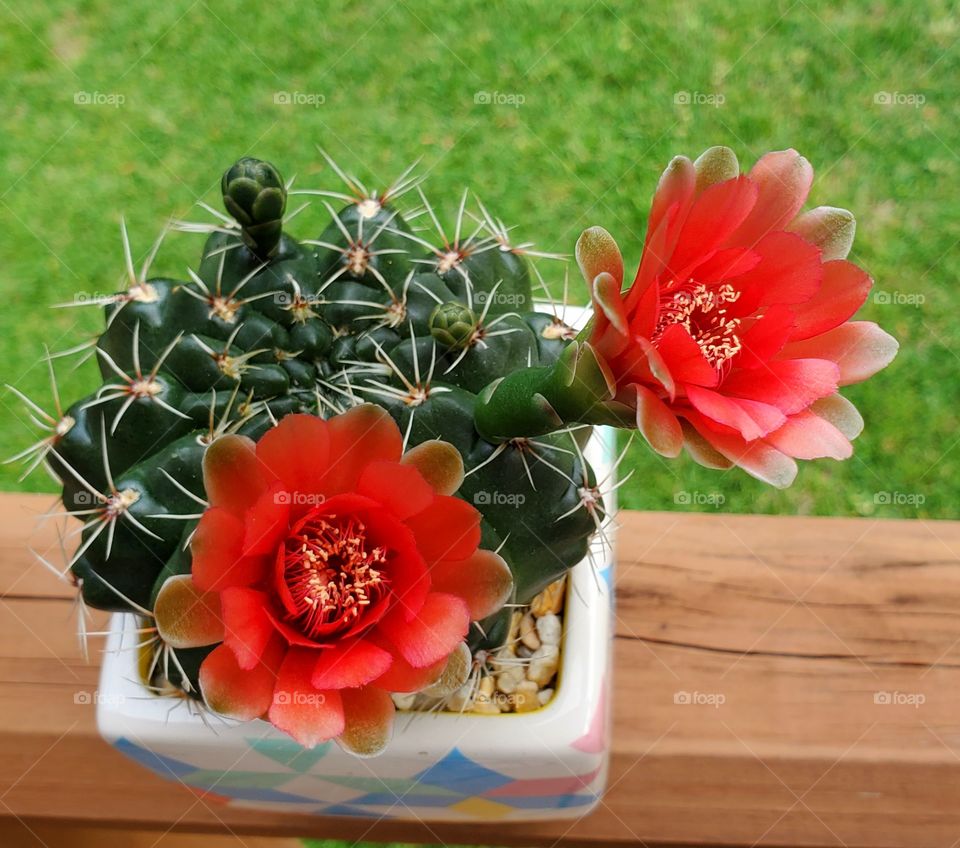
{"x": 734, "y": 337}
{"x": 334, "y": 571}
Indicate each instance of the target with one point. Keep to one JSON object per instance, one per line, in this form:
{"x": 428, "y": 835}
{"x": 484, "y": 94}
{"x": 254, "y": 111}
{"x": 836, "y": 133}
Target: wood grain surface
{"x": 779, "y": 681}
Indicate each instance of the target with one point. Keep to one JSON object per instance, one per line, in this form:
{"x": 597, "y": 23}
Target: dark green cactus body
{"x": 482, "y": 272}
{"x": 268, "y": 326}
{"x": 369, "y": 250}
{"x": 576, "y": 388}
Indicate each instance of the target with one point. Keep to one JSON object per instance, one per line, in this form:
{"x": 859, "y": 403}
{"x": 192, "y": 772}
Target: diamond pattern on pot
{"x": 288, "y": 753}
{"x": 544, "y": 786}
{"x": 279, "y": 774}
{"x": 460, "y": 773}
{"x": 553, "y": 802}
{"x": 481, "y": 808}
{"x": 164, "y": 766}
{"x": 445, "y": 783}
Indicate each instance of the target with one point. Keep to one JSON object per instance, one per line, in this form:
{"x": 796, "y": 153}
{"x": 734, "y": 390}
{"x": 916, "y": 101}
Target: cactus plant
{"x": 732, "y": 342}
{"x": 369, "y": 311}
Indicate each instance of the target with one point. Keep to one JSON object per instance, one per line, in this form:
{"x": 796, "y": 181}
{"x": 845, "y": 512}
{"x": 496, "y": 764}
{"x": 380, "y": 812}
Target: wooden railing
{"x": 779, "y": 681}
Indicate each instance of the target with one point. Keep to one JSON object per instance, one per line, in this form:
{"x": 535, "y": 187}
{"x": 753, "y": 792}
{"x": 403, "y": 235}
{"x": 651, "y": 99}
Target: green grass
{"x": 598, "y": 121}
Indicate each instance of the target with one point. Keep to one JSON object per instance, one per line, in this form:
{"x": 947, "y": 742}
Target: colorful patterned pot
{"x": 547, "y": 764}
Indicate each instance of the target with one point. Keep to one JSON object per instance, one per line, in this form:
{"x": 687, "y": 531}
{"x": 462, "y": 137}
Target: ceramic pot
{"x": 550, "y": 763}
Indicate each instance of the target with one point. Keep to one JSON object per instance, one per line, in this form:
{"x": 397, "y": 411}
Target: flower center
{"x": 331, "y": 574}
{"x": 702, "y": 312}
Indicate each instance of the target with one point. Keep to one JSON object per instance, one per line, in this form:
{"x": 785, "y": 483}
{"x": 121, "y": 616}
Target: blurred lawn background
{"x": 866, "y": 91}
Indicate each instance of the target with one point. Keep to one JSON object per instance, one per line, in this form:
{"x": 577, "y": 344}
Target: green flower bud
{"x": 255, "y": 194}
{"x": 452, "y": 324}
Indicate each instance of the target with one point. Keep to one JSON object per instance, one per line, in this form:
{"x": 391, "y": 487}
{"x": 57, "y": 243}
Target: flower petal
{"x": 789, "y": 271}
{"x": 297, "y": 452}
{"x": 248, "y": 627}
{"x": 843, "y": 291}
{"x": 783, "y": 179}
{"x": 641, "y": 298}
{"x": 447, "y": 529}
{"x": 765, "y": 337}
{"x": 242, "y": 694}
{"x": 403, "y": 677}
{"x": 439, "y": 463}
{"x": 433, "y": 633}
{"x": 484, "y": 581}
{"x": 644, "y": 364}
{"x": 186, "y": 616}
{"x": 715, "y": 165}
{"x": 369, "y": 714}
{"x": 757, "y": 458}
{"x": 218, "y": 560}
{"x": 683, "y": 358}
{"x": 265, "y": 523}
{"x": 829, "y": 228}
{"x": 724, "y": 264}
{"x": 671, "y": 202}
{"x": 702, "y": 452}
{"x": 349, "y": 664}
{"x": 232, "y": 476}
{"x": 456, "y": 672}
{"x": 400, "y": 488}
{"x": 751, "y": 419}
{"x": 841, "y": 413}
{"x": 790, "y": 385}
{"x": 657, "y": 423}
{"x": 860, "y": 349}
{"x": 714, "y": 215}
{"x": 309, "y": 715}
{"x": 597, "y": 253}
{"x": 358, "y": 436}
{"x": 808, "y": 436}
{"x": 611, "y": 330}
